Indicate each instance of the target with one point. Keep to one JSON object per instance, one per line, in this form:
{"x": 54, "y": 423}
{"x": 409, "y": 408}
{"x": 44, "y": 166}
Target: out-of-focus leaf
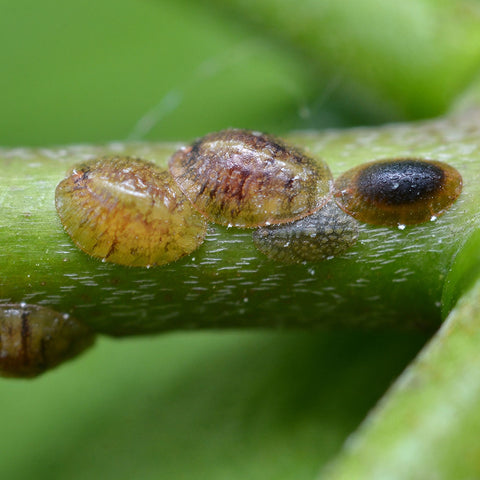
{"x": 400, "y": 60}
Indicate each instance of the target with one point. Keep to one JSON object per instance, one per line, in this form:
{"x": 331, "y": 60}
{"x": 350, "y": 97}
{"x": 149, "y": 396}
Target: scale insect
{"x": 326, "y": 233}
{"x": 398, "y": 191}
{"x": 128, "y": 211}
{"x": 246, "y": 179}
{"x": 34, "y": 339}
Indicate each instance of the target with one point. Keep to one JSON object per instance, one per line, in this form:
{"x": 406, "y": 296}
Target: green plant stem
{"x": 390, "y": 277}
{"x": 427, "y": 425}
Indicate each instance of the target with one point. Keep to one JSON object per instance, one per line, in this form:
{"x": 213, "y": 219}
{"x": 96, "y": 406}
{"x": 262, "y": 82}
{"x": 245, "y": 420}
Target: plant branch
{"x": 390, "y": 277}
{"x": 427, "y": 425}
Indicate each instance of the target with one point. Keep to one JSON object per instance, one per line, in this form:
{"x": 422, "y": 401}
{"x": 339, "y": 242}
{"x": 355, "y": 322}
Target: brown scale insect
{"x": 247, "y": 179}
{"x": 127, "y": 211}
{"x": 399, "y": 191}
{"x": 326, "y": 233}
{"x": 34, "y": 339}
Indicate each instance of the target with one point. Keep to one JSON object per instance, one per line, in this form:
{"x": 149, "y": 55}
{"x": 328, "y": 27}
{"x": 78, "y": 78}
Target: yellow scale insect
{"x": 128, "y": 211}
{"x": 34, "y": 339}
{"x": 133, "y": 213}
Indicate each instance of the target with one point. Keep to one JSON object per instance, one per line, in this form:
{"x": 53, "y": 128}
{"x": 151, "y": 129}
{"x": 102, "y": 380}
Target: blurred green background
{"x": 214, "y": 405}
{"x": 158, "y": 70}
{"x": 97, "y": 71}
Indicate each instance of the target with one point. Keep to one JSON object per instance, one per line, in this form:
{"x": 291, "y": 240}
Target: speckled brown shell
{"x": 326, "y": 233}
{"x": 247, "y": 179}
{"x": 34, "y": 339}
{"x": 399, "y": 191}
{"x": 128, "y": 211}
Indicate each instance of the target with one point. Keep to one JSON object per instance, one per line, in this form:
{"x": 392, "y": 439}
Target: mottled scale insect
{"x": 324, "y": 234}
{"x": 34, "y": 339}
{"x": 128, "y": 211}
{"x": 247, "y": 179}
{"x": 399, "y": 191}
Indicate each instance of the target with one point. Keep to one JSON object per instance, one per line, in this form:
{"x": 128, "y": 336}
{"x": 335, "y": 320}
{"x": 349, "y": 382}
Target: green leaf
{"x": 393, "y": 60}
